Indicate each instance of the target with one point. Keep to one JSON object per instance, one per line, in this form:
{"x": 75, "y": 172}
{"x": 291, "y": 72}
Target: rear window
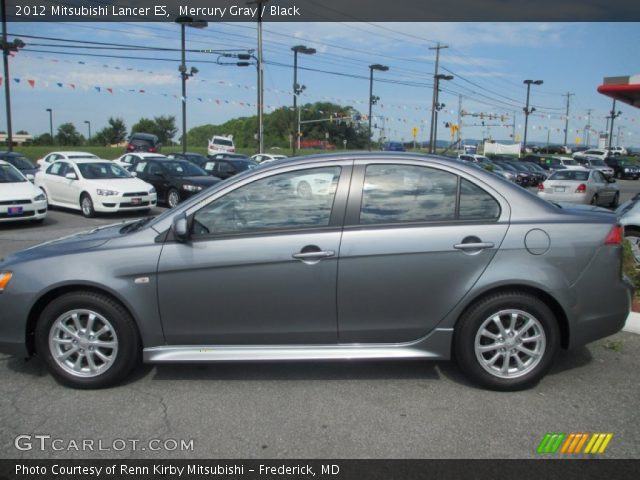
{"x": 576, "y": 175}
{"x": 223, "y": 141}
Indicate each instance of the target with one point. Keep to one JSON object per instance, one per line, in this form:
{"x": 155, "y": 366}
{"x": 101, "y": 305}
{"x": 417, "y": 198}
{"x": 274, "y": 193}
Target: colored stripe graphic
{"x": 551, "y": 442}
{"x": 598, "y": 443}
{"x": 572, "y": 443}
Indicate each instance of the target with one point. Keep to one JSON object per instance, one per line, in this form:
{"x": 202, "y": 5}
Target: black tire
{"x": 616, "y": 200}
{"x": 485, "y": 310}
{"x": 123, "y": 333}
{"x": 594, "y": 200}
{"x": 173, "y": 198}
{"x": 86, "y": 206}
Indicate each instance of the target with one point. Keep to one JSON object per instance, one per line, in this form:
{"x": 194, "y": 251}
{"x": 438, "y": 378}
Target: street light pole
{"x": 50, "y": 124}
{"x": 526, "y": 109}
{"x": 88, "y": 125}
{"x": 260, "y": 71}
{"x": 186, "y": 22}
{"x": 372, "y": 99}
{"x": 297, "y": 90}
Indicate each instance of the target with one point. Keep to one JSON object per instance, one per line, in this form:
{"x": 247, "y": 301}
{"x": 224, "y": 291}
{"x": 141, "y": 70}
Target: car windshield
{"x": 8, "y": 174}
{"x": 94, "y": 171}
{"x": 519, "y": 167}
{"x": 20, "y": 162}
{"x": 574, "y": 175}
{"x": 87, "y": 155}
{"x": 182, "y": 168}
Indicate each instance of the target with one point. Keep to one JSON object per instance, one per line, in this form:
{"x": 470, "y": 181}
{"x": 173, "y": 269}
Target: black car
{"x": 523, "y": 177}
{"x": 143, "y": 142}
{"x": 196, "y": 158}
{"x": 623, "y": 168}
{"x": 19, "y": 161}
{"x": 227, "y": 155}
{"x": 228, "y": 167}
{"x": 173, "y": 179}
{"x": 537, "y": 176}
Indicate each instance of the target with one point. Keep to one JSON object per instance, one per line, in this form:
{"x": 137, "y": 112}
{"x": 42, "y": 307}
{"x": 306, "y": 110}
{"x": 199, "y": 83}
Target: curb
{"x": 633, "y": 323}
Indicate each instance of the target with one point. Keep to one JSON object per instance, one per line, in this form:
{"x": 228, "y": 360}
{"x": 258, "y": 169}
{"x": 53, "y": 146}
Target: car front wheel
{"x": 86, "y": 205}
{"x": 173, "y": 198}
{"x": 507, "y": 341}
{"x": 87, "y": 340}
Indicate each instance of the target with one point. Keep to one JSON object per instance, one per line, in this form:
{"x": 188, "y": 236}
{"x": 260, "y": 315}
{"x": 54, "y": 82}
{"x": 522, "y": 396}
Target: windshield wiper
{"x": 138, "y": 224}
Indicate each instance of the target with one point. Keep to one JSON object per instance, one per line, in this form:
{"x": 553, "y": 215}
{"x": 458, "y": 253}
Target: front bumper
{"x": 122, "y": 203}
{"x": 22, "y": 212}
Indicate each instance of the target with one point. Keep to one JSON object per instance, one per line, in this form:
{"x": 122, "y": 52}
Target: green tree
{"x": 164, "y": 127}
{"x": 68, "y": 135}
{"x": 44, "y": 139}
{"x": 114, "y": 133}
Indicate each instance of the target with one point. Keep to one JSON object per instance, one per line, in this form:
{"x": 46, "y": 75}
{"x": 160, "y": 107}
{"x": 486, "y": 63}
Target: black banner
{"x": 582, "y": 469}
{"x": 322, "y": 10}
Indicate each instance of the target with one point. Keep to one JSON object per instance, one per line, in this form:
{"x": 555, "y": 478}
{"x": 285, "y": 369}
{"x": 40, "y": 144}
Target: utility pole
{"x": 459, "y": 119}
{"x": 614, "y": 115}
{"x": 566, "y": 122}
{"x": 513, "y": 127}
{"x": 435, "y": 95}
{"x": 260, "y": 127}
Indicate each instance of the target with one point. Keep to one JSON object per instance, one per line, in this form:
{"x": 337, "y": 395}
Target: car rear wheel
{"x": 87, "y": 340}
{"x": 632, "y": 235}
{"x": 173, "y": 198}
{"x": 594, "y": 200}
{"x": 507, "y": 341}
{"x": 615, "y": 201}
{"x": 86, "y": 205}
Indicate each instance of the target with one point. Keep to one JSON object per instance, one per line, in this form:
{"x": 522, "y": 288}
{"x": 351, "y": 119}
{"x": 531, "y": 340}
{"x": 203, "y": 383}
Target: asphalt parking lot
{"x": 407, "y": 409}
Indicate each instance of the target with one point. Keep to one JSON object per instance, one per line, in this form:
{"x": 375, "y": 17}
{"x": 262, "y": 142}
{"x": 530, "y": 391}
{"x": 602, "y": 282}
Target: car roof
{"x": 80, "y": 161}
{"x": 74, "y": 152}
{"x": 147, "y": 154}
{"x": 11, "y": 154}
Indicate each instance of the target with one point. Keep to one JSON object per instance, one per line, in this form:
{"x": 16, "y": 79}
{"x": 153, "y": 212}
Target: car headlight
{"x": 5, "y": 278}
{"x": 106, "y": 193}
{"x": 192, "y": 188}
{"x": 40, "y": 197}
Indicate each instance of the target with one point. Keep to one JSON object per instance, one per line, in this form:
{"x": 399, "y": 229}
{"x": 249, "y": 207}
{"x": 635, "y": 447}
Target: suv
{"x": 143, "y": 142}
{"x": 596, "y": 163}
{"x": 594, "y": 152}
{"x": 623, "y": 168}
{"x": 219, "y": 143}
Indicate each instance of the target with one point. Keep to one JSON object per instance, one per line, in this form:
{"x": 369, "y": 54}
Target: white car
{"x": 267, "y": 157}
{"x": 593, "y": 152}
{"x": 128, "y": 159}
{"x": 20, "y": 200}
{"x": 94, "y": 186}
{"x": 586, "y": 185}
{"x": 53, "y": 156}
{"x": 220, "y": 143}
{"x": 569, "y": 163}
{"x": 618, "y": 151}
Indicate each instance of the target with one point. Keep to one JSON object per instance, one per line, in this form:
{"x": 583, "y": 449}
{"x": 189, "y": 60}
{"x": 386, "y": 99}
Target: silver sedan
{"x": 587, "y": 186}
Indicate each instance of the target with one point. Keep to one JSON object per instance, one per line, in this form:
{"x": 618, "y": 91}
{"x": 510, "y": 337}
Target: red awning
{"x": 624, "y": 89}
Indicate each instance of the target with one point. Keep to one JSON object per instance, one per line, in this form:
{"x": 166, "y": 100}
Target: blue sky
{"x": 488, "y": 60}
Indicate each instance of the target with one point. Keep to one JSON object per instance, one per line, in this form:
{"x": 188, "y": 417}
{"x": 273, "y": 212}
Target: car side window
{"x": 154, "y": 169}
{"x": 597, "y": 176}
{"x": 286, "y": 201}
{"x": 54, "y": 168}
{"x": 476, "y": 204}
{"x": 140, "y": 167}
{"x": 225, "y": 167}
{"x": 407, "y": 193}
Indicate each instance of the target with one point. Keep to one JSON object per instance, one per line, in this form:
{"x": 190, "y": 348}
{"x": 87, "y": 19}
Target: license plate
{"x": 15, "y": 211}
{"x": 136, "y": 201}
{"x": 559, "y": 189}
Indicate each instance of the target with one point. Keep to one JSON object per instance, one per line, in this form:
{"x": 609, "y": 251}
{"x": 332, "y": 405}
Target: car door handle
{"x": 474, "y": 246}
{"x": 314, "y": 255}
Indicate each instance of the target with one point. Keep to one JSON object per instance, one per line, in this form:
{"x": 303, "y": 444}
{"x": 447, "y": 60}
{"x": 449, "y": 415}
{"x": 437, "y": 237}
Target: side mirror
{"x": 30, "y": 177}
{"x": 180, "y": 228}
{"x": 71, "y": 176}
{"x": 134, "y": 174}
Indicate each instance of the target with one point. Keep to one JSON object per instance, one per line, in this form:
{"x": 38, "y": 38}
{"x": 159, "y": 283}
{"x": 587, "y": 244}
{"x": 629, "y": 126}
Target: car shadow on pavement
{"x": 571, "y": 360}
{"x": 311, "y": 370}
